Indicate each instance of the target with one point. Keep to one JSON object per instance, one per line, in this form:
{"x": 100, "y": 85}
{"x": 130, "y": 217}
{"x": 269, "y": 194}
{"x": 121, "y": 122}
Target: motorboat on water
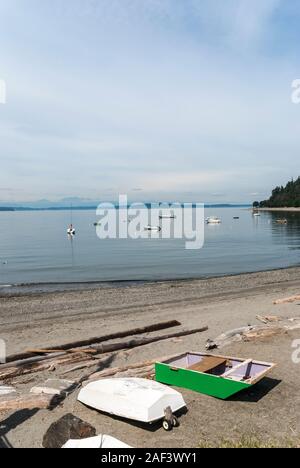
{"x": 282, "y": 221}
{"x": 213, "y": 220}
{"x": 165, "y": 216}
{"x": 152, "y": 228}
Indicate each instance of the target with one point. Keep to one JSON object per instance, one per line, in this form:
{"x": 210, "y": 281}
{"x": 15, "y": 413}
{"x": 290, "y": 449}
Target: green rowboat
{"x": 218, "y": 376}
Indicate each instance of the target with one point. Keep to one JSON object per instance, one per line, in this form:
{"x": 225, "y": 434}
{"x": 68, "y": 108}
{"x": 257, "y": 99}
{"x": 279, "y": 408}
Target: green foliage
{"x": 284, "y": 197}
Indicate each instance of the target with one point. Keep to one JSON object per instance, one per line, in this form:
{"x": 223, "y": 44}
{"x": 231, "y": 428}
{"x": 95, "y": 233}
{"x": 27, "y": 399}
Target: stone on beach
{"x": 66, "y": 428}
{"x": 54, "y": 387}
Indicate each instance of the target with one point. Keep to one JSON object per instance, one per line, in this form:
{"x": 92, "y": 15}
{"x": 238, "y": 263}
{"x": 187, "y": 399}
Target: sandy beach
{"x": 270, "y": 412}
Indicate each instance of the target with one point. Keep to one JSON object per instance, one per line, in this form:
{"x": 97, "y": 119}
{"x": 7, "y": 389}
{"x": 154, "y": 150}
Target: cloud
{"x": 239, "y": 23}
{"x": 160, "y": 94}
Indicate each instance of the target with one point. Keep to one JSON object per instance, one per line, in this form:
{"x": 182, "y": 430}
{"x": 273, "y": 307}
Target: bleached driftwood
{"x": 86, "y": 343}
{"x": 136, "y": 342}
{"x": 22, "y": 402}
{"x": 23, "y": 368}
{"x": 287, "y": 300}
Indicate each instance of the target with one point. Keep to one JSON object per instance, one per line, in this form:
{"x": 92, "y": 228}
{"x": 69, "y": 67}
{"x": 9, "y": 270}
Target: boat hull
{"x": 200, "y": 383}
{"x": 133, "y": 399}
{"x": 223, "y": 380}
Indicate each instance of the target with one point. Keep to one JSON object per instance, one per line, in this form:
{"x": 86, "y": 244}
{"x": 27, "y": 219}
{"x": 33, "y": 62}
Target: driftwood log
{"x": 86, "y": 365}
{"x": 287, "y": 300}
{"x": 136, "y": 342}
{"x": 12, "y": 370}
{"x": 22, "y": 402}
{"x": 86, "y": 343}
{"x": 129, "y": 368}
{"x": 15, "y": 371}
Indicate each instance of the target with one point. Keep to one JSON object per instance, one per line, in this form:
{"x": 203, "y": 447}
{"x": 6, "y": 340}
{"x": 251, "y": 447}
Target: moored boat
{"x": 71, "y": 231}
{"x": 152, "y": 228}
{"x": 282, "y": 221}
{"x": 213, "y": 220}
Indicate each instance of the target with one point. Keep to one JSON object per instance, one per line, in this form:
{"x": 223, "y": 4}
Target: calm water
{"x": 34, "y": 248}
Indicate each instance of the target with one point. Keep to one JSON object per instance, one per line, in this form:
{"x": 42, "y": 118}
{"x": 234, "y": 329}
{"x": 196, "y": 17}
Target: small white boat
{"x": 71, "y": 231}
{"x": 153, "y": 228}
{"x": 213, "y": 220}
{"x": 256, "y": 214}
{"x": 140, "y": 400}
{"x": 99, "y": 442}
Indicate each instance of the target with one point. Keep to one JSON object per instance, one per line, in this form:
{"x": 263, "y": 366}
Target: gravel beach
{"x": 270, "y": 412}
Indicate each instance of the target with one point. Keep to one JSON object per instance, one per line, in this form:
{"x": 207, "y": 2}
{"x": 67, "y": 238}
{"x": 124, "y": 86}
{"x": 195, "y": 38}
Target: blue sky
{"x": 159, "y": 99}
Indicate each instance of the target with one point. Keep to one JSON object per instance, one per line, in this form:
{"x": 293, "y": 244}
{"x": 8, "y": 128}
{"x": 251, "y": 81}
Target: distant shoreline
{"x": 5, "y": 209}
{"x": 279, "y": 209}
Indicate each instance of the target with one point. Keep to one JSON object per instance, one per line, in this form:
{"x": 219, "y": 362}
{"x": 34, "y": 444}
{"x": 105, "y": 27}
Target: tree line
{"x": 283, "y": 197}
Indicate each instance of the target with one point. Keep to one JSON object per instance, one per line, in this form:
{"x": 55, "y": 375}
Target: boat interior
{"x": 240, "y": 370}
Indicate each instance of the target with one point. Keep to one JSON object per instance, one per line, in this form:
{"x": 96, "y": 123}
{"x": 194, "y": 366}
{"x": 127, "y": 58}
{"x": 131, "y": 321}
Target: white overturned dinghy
{"x": 139, "y": 400}
{"x": 99, "y": 442}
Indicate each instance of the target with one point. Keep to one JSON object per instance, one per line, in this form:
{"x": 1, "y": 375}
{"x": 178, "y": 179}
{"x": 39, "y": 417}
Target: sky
{"x": 172, "y": 100}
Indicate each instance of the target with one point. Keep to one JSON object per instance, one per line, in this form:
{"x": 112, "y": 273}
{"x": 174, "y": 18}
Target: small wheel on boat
{"x": 167, "y": 425}
{"x": 175, "y": 422}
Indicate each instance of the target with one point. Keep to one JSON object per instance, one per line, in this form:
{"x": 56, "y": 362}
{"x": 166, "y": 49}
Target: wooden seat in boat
{"x": 208, "y": 364}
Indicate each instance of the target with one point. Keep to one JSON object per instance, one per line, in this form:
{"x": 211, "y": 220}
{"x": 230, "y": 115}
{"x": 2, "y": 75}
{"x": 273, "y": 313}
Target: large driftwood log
{"x": 96, "y": 340}
{"x": 25, "y": 368}
{"x": 22, "y": 402}
{"x": 136, "y": 342}
{"x": 287, "y": 300}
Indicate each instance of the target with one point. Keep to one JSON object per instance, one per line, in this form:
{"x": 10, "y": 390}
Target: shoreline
{"x": 24, "y": 289}
{"x": 287, "y": 210}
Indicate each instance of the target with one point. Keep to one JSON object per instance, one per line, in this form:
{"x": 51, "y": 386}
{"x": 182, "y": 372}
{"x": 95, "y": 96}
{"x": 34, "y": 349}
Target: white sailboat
{"x": 71, "y": 230}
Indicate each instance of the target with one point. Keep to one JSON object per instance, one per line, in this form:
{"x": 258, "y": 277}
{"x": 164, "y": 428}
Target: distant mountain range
{"x": 79, "y": 204}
